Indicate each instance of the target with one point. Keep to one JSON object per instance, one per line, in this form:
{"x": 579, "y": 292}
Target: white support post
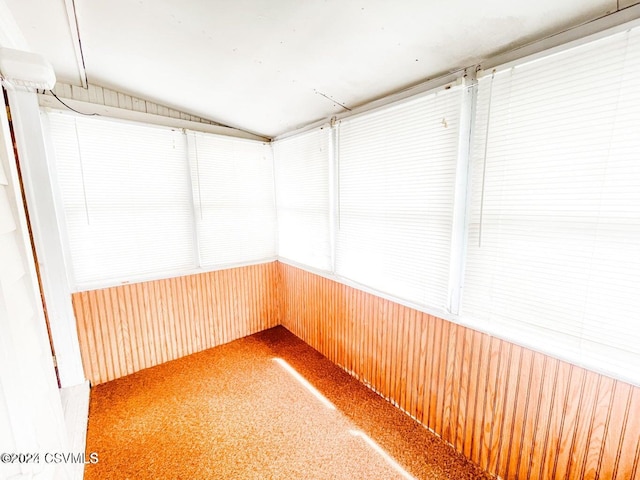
{"x": 272, "y": 152}
{"x": 459, "y": 231}
{"x": 333, "y": 192}
{"x": 38, "y": 178}
{"x": 192, "y": 156}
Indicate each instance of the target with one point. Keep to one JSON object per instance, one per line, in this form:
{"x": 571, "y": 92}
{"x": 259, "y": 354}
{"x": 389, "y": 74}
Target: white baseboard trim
{"x": 75, "y": 405}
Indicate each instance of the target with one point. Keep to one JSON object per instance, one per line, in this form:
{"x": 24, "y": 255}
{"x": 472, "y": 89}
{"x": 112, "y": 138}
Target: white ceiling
{"x": 267, "y": 66}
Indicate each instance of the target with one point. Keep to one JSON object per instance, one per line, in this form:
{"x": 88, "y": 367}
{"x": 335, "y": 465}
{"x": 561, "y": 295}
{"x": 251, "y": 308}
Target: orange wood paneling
{"x": 127, "y": 328}
{"x": 517, "y": 413}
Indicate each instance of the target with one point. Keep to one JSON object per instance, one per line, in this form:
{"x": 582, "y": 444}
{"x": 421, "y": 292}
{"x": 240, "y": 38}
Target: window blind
{"x": 396, "y": 176}
{"x": 302, "y": 194}
{"x": 125, "y": 197}
{"x": 554, "y": 240}
{"x": 233, "y": 192}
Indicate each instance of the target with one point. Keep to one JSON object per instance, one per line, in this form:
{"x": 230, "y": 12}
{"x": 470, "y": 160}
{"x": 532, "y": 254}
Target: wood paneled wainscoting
{"x": 130, "y": 327}
{"x": 517, "y": 413}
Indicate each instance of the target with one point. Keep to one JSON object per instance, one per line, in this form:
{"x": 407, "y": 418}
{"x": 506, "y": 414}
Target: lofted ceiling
{"x": 270, "y": 66}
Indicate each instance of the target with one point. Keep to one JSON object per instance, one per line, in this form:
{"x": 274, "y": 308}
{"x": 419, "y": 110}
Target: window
{"x": 141, "y": 201}
{"x": 126, "y": 198}
{"x": 302, "y": 191}
{"x": 396, "y": 178}
{"x": 234, "y": 200}
{"x": 554, "y": 241}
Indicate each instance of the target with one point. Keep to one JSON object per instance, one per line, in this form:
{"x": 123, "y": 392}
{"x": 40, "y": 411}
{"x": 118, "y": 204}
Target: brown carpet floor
{"x": 233, "y": 412}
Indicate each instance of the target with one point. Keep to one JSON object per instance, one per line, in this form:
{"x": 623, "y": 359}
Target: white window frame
{"x": 197, "y": 268}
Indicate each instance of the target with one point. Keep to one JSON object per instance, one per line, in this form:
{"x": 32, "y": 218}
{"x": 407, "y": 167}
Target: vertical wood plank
{"x": 152, "y": 108}
{"x": 503, "y": 390}
{"x": 511, "y": 411}
{"x": 383, "y": 369}
{"x": 444, "y": 385}
{"x": 599, "y": 425}
{"x": 96, "y": 95}
{"x": 434, "y": 372}
{"x": 629, "y": 460}
{"x": 109, "y": 328}
{"x": 420, "y": 371}
{"x": 125, "y": 308}
{"x": 490, "y": 412}
{"x": 530, "y": 428}
{"x": 138, "y": 105}
{"x": 464, "y": 387}
{"x": 618, "y": 417}
{"x": 80, "y": 93}
{"x": 520, "y": 424}
{"x": 568, "y": 415}
{"x": 449, "y": 399}
{"x": 473, "y": 389}
{"x": 412, "y": 366}
{"x": 393, "y": 320}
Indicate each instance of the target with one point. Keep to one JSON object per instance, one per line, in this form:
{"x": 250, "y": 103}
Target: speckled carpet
{"x": 248, "y": 410}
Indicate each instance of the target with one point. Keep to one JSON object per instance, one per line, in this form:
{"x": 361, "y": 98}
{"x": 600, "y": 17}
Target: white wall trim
{"x": 75, "y": 405}
{"x": 436, "y": 312}
{"x": 573, "y": 37}
{"x": 427, "y": 87}
{"x": 88, "y": 286}
{"x": 49, "y": 102}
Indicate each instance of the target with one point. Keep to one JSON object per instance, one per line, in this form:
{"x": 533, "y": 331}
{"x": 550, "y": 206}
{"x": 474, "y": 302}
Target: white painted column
{"x": 334, "y": 191}
{"x": 38, "y": 177}
{"x": 31, "y": 416}
{"x": 462, "y": 193}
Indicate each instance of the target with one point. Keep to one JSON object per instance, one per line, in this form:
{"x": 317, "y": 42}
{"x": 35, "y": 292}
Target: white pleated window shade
{"x": 125, "y": 198}
{"x": 554, "y": 241}
{"x": 233, "y": 191}
{"x": 396, "y": 172}
{"x": 302, "y": 195}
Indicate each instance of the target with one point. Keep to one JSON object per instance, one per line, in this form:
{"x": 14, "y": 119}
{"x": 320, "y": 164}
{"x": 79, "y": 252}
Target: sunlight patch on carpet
{"x": 303, "y": 381}
{"x": 369, "y": 441}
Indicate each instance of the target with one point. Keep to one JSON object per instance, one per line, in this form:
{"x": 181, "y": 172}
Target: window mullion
{"x": 192, "y": 155}
{"x": 460, "y": 222}
{"x": 333, "y": 192}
